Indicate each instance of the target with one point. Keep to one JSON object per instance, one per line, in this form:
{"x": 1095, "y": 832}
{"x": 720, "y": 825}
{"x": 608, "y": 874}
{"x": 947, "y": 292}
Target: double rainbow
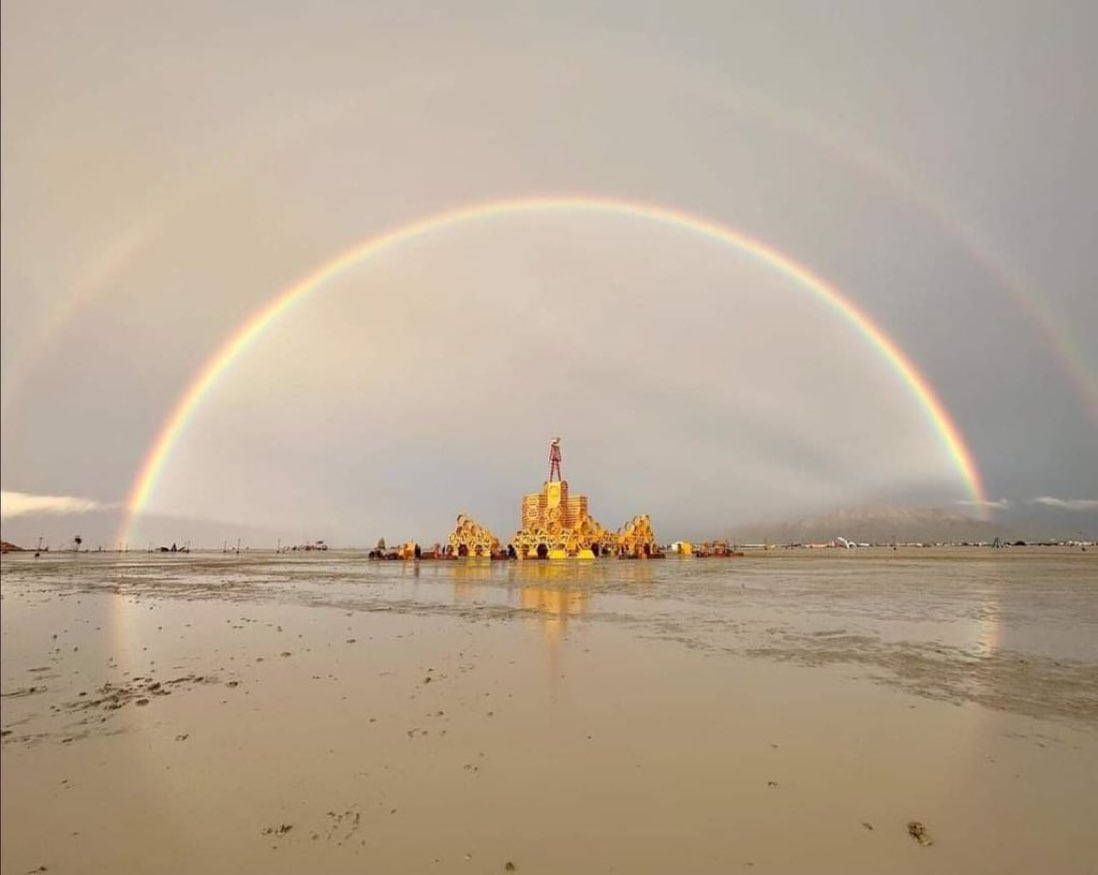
{"x": 175, "y": 426}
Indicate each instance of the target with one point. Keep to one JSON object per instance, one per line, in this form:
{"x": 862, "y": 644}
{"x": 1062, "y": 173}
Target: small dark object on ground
{"x": 918, "y": 832}
{"x": 509, "y": 866}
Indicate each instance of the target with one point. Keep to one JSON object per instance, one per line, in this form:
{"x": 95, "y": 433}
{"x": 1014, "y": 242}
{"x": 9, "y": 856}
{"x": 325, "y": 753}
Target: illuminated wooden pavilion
{"x": 556, "y": 524}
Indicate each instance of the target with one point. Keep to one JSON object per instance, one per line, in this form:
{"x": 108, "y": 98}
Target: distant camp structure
{"x": 555, "y": 524}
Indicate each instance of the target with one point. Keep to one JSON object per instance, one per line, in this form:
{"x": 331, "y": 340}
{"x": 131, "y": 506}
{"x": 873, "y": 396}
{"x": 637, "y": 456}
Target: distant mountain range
{"x": 886, "y": 524}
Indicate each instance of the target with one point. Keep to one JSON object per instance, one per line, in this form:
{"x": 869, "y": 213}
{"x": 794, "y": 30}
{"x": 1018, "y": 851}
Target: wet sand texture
{"x": 791, "y": 713}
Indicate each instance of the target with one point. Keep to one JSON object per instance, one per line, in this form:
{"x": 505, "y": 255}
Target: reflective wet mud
{"x": 782, "y": 712}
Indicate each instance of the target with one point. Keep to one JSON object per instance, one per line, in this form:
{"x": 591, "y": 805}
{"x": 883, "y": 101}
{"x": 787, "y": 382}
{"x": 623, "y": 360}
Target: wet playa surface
{"x": 1017, "y": 632}
{"x": 225, "y": 713}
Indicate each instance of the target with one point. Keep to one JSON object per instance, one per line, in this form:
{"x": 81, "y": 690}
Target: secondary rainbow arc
{"x": 174, "y": 426}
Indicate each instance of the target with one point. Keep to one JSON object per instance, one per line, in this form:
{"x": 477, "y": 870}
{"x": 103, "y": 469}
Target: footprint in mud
{"x": 24, "y": 691}
{"x": 918, "y": 832}
{"x": 277, "y": 831}
{"x": 342, "y": 825}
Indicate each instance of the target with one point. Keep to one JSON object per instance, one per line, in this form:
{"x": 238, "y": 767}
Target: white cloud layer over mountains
{"x": 1067, "y": 503}
{"x": 15, "y": 504}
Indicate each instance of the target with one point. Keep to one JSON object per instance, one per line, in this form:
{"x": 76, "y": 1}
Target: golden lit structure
{"x": 470, "y": 538}
{"x": 556, "y": 525}
{"x": 636, "y": 538}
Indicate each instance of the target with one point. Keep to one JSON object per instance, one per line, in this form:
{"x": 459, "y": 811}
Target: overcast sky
{"x": 168, "y": 168}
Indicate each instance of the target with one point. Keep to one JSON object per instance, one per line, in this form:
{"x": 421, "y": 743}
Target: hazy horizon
{"x": 98, "y": 529}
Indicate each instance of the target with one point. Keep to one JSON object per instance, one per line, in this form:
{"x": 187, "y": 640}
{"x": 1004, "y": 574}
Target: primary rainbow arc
{"x": 174, "y": 426}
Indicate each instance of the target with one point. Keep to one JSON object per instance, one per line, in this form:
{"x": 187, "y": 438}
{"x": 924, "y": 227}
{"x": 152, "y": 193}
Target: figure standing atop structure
{"x": 554, "y": 458}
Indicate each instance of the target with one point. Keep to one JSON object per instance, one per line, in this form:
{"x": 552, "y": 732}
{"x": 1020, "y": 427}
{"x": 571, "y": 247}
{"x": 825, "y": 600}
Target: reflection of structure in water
{"x": 556, "y": 591}
{"x": 549, "y": 592}
{"x": 555, "y": 606}
{"x": 556, "y": 525}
